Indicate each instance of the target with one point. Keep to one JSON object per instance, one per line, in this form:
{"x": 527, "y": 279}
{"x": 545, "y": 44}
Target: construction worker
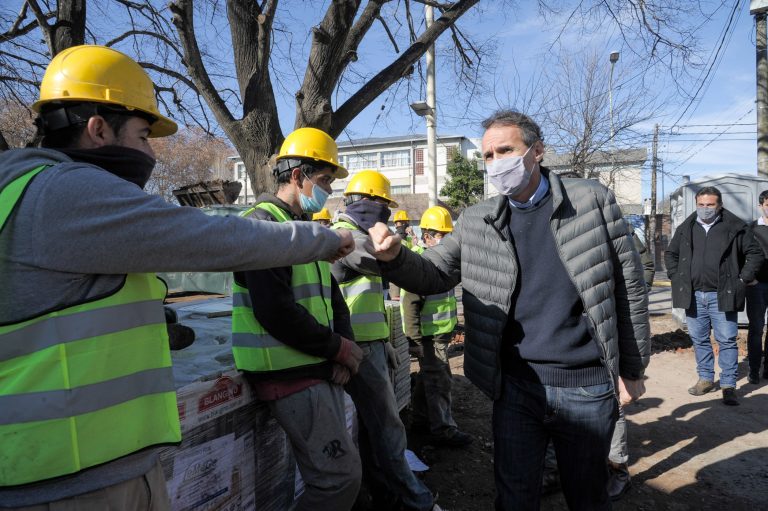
{"x": 381, "y": 437}
{"x": 292, "y": 336}
{"x": 428, "y": 322}
{"x": 86, "y": 389}
{"x": 323, "y": 217}
{"x": 403, "y": 228}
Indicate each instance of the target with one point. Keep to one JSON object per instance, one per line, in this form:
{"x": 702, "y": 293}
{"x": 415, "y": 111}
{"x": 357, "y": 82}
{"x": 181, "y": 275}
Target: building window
{"x": 240, "y": 171}
{"x": 401, "y": 190}
{"x": 361, "y": 161}
{"x": 391, "y": 159}
{"x": 418, "y": 163}
{"x": 451, "y": 152}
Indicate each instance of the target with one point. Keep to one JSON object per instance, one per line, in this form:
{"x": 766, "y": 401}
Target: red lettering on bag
{"x": 225, "y": 389}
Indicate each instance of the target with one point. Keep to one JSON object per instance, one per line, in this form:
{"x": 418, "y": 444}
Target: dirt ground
{"x": 686, "y": 452}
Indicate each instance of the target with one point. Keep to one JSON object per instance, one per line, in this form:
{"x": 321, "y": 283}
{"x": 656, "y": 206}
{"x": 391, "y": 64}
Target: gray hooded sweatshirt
{"x": 75, "y": 233}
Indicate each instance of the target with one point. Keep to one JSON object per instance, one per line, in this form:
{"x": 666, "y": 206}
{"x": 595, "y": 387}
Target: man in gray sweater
{"x": 86, "y": 391}
{"x": 556, "y": 314}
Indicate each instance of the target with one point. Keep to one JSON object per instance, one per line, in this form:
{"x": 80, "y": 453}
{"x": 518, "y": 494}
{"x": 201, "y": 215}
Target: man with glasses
{"x": 291, "y": 333}
{"x": 381, "y": 438}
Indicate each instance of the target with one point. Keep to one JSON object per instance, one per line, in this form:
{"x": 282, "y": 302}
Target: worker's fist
{"x": 346, "y": 245}
{"x": 384, "y": 246}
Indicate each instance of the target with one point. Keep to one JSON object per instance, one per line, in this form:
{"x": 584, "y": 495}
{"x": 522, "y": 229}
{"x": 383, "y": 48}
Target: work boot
{"x": 619, "y": 481}
{"x": 702, "y": 387}
{"x": 452, "y": 437}
{"x": 754, "y": 376}
{"x": 729, "y": 396}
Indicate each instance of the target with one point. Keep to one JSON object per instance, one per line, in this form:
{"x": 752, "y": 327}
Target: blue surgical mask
{"x": 316, "y": 202}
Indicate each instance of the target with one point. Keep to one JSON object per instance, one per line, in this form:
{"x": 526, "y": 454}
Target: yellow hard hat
{"x": 312, "y": 143}
{"x": 323, "y": 214}
{"x": 97, "y": 74}
{"x": 401, "y": 216}
{"x": 372, "y": 183}
{"x": 437, "y": 218}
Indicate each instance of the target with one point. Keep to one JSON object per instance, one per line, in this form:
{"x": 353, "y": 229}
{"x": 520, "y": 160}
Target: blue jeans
{"x": 381, "y": 434}
{"x": 702, "y": 318}
{"x": 578, "y": 420}
{"x": 757, "y": 346}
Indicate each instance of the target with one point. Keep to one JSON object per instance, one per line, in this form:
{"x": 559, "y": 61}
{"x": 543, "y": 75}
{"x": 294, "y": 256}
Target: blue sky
{"x": 520, "y": 44}
{"x": 704, "y": 141}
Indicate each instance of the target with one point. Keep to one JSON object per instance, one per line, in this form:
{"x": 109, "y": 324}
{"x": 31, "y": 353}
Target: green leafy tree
{"x": 465, "y": 184}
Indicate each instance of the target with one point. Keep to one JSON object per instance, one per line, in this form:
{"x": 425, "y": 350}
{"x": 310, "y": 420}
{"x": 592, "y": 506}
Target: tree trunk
{"x": 69, "y": 29}
{"x": 257, "y": 137}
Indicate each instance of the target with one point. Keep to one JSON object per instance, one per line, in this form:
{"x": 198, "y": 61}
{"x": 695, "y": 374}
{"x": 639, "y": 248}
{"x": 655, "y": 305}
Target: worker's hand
{"x": 630, "y": 390}
{"x": 392, "y": 358}
{"x": 340, "y": 375}
{"x": 350, "y": 355}
{"x": 385, "y": 246}
{"x": 346, "y": 245}
{"x": 415, "y": 349}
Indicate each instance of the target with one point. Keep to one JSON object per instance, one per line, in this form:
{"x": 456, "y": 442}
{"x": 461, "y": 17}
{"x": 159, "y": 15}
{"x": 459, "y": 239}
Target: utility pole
{"x": 431, "y": 116}
{"x": 651, "y": 240}
{"x": 758, "y": 9}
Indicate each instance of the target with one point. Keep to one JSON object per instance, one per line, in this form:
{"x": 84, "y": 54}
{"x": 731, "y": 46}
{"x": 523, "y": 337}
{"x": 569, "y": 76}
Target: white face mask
{"x": 510, "y": 175}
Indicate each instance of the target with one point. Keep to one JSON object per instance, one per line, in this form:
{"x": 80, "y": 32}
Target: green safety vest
{"x": 254, "y": 348}
{"x": 86, "y": 384}
{"x": 365, "y": 299}
{"x": 438, "y": 313}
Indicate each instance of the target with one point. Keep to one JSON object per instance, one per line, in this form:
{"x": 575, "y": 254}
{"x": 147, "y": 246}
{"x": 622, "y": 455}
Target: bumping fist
{"x": 384, "y": 246}
{"x": 346, "y": 245}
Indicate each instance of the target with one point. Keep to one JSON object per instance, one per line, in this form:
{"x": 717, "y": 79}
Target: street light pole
{"x": 614, "y": 57}
{"x": 431, "y": 116}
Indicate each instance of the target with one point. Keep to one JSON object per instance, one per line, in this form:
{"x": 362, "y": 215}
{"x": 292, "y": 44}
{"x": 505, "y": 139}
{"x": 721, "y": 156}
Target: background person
{"x": 429, "y": 322}
{"x": 381, "y": 438}
{"x": 323, "y": 217}
{"x": 757, "y": 299}
{"x": 710, "y": 261}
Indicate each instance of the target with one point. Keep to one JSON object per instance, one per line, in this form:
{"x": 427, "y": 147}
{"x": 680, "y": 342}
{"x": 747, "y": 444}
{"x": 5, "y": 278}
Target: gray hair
{"x": 531, "y": 130}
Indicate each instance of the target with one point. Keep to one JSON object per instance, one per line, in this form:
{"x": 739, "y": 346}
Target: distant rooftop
{"x": 635, "y": 155}
{"x": 399, "y": 139}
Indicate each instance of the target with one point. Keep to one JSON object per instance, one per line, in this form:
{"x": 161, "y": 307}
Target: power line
{"x": 711, "y": 141}
{"x": 727, "y": 33}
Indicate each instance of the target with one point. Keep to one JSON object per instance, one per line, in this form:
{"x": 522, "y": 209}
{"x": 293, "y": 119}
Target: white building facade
{"x": 403, "y": 160}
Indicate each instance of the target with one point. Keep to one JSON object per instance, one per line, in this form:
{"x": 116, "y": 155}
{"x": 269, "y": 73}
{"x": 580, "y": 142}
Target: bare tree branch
{"x": 251, "y": 27}
{"x": 389, "y": 75}
{"x": 333, "y": 40}
{"x": 42, "y": 22}
{"x": 183, "y": 20}
{"x": 133, "y": 33}
{"x": 389, "y": 33}
{"x": 170, "y": 72}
